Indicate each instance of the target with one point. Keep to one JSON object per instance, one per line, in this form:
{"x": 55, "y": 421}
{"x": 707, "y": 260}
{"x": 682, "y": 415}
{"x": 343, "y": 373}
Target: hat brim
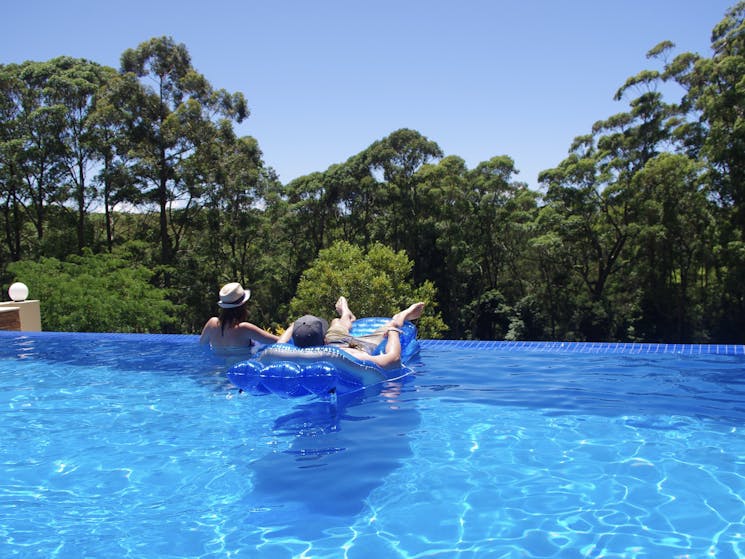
{"x": 246, "y": 297}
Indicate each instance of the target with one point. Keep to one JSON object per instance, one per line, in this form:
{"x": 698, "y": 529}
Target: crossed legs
{"x": 346, "y": 316}
{"x": 392, "y": 355}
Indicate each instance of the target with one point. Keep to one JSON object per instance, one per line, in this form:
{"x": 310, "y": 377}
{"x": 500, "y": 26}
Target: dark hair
{"x": 231, "y": 317}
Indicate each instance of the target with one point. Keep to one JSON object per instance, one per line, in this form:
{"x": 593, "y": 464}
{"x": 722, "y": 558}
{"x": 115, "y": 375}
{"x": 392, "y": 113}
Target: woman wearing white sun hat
{"x": 230, "y": 331}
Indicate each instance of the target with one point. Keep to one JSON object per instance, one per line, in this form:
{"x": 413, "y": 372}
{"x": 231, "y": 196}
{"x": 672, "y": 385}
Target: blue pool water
{"x": 136, "y": 446}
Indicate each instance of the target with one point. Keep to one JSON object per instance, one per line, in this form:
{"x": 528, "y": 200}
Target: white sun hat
{"x": 233, "y": 295}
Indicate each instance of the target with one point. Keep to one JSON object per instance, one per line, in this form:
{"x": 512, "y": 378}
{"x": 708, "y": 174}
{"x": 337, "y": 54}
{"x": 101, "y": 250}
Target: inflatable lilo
{"x": 356, "y": 354}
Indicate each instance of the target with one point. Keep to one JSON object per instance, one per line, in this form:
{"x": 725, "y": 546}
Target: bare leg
{"x": 391, "y": 357}
{"x": 342, "y": 307}
{"x": 346, "y": 317}
{"x": 412, "y": 313}
{"x": 393, "y": 343}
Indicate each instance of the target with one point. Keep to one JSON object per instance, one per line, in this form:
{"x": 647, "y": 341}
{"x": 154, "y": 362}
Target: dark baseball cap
{"x": 309, "y": 331}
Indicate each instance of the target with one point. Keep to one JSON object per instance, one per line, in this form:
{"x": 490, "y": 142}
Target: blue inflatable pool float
{"x": 289, "y": 371}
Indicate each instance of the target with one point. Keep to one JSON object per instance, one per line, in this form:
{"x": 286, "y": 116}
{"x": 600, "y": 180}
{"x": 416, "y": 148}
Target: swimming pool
{"x": 136, "y": 446}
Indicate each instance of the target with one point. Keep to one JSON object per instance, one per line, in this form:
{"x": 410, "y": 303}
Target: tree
{"x": 11, "y": 149}
{"x": 472, "y": 240}
{"x": 112, "y": 123}
{"x": 397, "y": 158}
{"x": 361, "y": 200}
{"x": 376, "y": 283}
{"x": 593, "y": 194}
{"x": 501, "y": 210}
{"x": 174, "y": 119}
{"x": 593, "y": 229}
{"x": 228, "y": 241}
{"x": 715, "y": 130}
{"x": 48, "y": 148}
{"x": 313, "y": 210}
{"x": 673, "y": 251}
{"x": 73, "y": 85}
{"x": 715, "y": 93}
{"x": 39, "y": 125}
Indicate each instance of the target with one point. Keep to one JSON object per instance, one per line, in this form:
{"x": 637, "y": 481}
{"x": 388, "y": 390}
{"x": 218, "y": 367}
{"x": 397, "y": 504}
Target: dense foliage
{"x": 127, "y": 199}
{"x": 97, "y": 293}
{"x": 378, "y": 281}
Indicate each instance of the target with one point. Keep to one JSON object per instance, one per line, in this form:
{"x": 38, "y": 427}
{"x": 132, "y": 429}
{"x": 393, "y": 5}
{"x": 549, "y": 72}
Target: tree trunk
{"x": 81, "y": 207}
{"x": 165, "y": 245}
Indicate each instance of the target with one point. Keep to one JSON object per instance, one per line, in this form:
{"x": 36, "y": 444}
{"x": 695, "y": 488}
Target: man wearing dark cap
{"x": 311, "y": 331}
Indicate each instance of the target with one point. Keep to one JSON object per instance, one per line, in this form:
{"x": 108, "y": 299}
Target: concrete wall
{"x": 24, "y": 316}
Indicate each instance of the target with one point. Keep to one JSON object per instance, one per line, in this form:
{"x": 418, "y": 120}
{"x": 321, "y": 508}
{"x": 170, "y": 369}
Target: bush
{"x": 95, "y": 293}
{"x": 376, "y": 284}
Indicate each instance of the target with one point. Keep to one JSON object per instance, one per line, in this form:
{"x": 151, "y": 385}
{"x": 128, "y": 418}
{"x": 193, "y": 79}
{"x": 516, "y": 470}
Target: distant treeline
{"x": 128, "y": 199}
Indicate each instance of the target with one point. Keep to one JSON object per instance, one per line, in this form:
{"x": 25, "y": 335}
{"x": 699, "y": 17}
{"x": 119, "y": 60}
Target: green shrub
{"x": 376, "y": 283}
{"x": 95, "y": 293}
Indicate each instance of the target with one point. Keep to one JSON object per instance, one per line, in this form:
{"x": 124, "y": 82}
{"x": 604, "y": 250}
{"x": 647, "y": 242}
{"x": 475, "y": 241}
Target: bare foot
{"x": 342, "y": 307}
{"x": 412, "y": 313}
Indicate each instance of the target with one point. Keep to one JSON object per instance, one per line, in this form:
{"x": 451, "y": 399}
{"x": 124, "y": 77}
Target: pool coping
{"x": 576, "y": 347}
{"x": 594, "y": 347}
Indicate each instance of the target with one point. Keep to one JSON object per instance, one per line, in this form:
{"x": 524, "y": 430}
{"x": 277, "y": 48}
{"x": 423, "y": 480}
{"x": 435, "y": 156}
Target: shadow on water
{"x": 329, "y": 456}
{"x": 338, "y": 452}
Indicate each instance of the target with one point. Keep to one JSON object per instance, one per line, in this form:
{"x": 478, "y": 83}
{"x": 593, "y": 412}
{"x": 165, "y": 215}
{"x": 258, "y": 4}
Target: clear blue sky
{"x": 325, "y": 79}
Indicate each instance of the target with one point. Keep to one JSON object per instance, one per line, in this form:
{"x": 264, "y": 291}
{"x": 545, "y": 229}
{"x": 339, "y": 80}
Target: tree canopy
{"x": 115, "y": 182}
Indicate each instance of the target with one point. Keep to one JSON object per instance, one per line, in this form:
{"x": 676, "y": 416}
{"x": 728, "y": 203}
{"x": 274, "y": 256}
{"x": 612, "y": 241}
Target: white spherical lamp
{"x": 18, "y": 292}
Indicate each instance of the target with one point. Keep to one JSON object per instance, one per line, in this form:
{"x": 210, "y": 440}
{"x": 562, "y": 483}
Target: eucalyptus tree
{"x": 451, "y": 261}
{"x": 479, "y": 222}
{"x": 396, "y": 159}
{"x": 312, "y": 211}
{"x": 553, "y": 279}
{"x": 36, "y": 148}
{"x": 715, "y": 130}
{"x": 113, "y": 122}
{"x": 47, "y": 147}
{"x": 705, "y": 125}
{"x": 674, "y": 243}
{"x": 589, "y": 234}
{"x": 235, "y": 181}
{"x": 282, "y": 261}
{"x": 673, "y": 253}
{"x": 11, "y": 147}
{"x": 359, "y": 200}
{"x": 499, "y": 229}
{"x": 593, "y": 195}
{"x": 74, "y": 85}
{"x": 719, "y": 94}
{"x": 716, "y": 97}
{"x": 229, "y": 242}
{"x": 180, "y": 112}
{"x": 502, "y": 209}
